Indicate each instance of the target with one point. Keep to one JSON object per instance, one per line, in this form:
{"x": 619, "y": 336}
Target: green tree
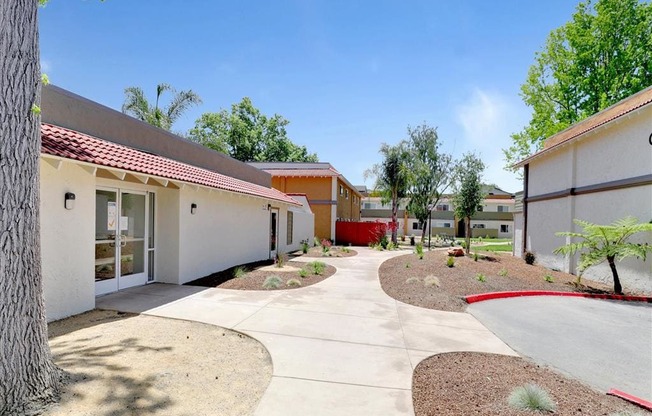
{"x": 468, "y": 193}
{"x": 392, "y": 178}
{"x": 601, "y": 56}
{"x": 137, "y": 105}
{"x": 28, "y": 376}
{"x": 430, "y": 172}
{"x": 248, "y": 135}
{"x": 606, "y": 242}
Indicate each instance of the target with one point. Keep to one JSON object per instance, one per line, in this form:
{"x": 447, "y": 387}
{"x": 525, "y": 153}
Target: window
{"x": 415, "y": 225}
{"x": 503, "y": 208}
{"x": 367, "y": 205}
{"x": 290, "y": 226}
{"x": 504, "y": 228}
{"x": 341, "y": 190}
{"x": 478, "y": 225}
{"x": 447, "y": 225}
{"x": 442, "y": 207}
{"x": 481, "y": 208}
{"x": 346, "y": 193}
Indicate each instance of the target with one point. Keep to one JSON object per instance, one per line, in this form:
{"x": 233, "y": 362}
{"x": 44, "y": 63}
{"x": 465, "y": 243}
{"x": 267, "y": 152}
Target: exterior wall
{"x": 67, "y": 240}
{"x": 167, "y": 235}
{"x": 303, "y": 225}
{"x": 517, "y": 242}
{"x": 348, "y": 202}
{"x": 322, "y": 220}
{"x": 225, "y": 231}
{"x": 619, "y": 151}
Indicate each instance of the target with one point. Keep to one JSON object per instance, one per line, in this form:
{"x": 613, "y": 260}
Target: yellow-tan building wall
{"x": 348, "y": 202}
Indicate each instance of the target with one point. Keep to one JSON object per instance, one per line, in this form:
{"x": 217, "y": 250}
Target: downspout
{"x": 526, "y": 176}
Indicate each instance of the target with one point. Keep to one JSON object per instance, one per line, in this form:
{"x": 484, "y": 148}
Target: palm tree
{"x": 136, "y": 105}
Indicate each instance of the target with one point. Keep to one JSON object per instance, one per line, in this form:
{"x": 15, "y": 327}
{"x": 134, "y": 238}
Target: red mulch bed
{"x": 461, "y": 280}
{"x": 254, "y": 278}
{"x": 466, "y": 383}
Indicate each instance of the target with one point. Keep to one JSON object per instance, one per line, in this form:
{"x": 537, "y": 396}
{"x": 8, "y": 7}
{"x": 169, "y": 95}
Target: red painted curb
{"x": 514, "y": 294}
{"x": 633, "y": 399}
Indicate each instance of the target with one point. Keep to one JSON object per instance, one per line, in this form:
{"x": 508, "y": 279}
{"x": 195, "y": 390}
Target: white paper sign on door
{"x": 124, "y": 223}
{"x": 111, "y": 210}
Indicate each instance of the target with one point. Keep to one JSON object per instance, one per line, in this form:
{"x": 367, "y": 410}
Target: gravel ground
{"x": 124, "y": 364}
{"x": 335, "y": 251}
{"x": 467, "y": 383}
{"x": 258, "y": 272}
{"x": 403, "y": 279}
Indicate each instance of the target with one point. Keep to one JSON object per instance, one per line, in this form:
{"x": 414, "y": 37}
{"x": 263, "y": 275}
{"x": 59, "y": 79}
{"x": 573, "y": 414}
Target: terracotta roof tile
{"x": 69, "y": 144}
{"x": 601, "y": 118}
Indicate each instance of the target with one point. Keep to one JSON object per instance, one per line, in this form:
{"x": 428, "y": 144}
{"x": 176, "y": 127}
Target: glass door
{"x": 120, "y": 242}
{"x": 273, "y": 233}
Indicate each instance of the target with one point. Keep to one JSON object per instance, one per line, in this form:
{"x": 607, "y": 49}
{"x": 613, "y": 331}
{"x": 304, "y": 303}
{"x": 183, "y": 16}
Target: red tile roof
{"x": 601, "y": 118}
{"x": 69, "y": 144}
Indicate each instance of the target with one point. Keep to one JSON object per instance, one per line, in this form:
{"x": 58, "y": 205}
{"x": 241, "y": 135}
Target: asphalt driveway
{"x": 605, "y": 344}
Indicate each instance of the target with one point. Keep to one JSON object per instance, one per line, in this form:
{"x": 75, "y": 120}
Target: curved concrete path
{"x": 340, "y": 347}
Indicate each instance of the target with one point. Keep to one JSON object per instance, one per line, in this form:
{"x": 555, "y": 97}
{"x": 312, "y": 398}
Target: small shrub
{"x": 304, "y": 246}
{"x": 316, "y": 241}
{"x": 412, "y": 280}
{"x": 303, "y": 273}
{"x": 502, "y": 272}
{"x": 419, "y": 250}
{"x": 239, "y": 272}
{"x": 412, "y": 242}
{"x": 529, "y": 257}
{"x": 548, "y": 278}
{"x": 481, "y": 277}
{"x": 318, "y": 267}
{"x": 346, "y": 250}
{"x": 463, "y": 244}
{"x": 281, "y": 259}
{"x": 450, "y": 262}
{"x": 475, "y": 256}
{"x": 326, "y": 245}
{"x": 272, "y": 282}
{"x": 531, "y": 397}
{"x": 391, "y": 246}
{"x": 407, "y": 265}
{"x": 384, "y": 241}
{"x": 293, "y": 283}
{"x": 431, "y": 281}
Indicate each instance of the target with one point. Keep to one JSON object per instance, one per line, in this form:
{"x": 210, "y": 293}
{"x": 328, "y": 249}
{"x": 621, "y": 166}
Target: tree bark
{"x": 28, "y": 377}
{"x": 394, "y": 216}
{"x": 467, "y": 233}
{"x": 618, "y": 289}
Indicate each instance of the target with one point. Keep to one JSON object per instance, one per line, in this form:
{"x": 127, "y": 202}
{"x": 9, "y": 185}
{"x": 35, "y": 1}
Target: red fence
{"x": 358, "y": 233}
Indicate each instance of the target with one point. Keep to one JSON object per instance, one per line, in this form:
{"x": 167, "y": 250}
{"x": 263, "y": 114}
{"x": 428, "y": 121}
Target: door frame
{"x": 273, "y": 234}
{"x": 139, "y": 279}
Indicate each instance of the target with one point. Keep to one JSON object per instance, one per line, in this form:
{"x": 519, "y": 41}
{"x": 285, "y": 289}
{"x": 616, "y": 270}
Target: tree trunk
{"x": 467, "y": 232}
{"x": 28, "y": 376}
{"x": 394, "y": 216}
{"x": 618, "y": 289}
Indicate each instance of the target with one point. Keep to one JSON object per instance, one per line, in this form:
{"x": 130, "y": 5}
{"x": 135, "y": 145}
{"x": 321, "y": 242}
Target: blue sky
{"x": 348, "y": 75}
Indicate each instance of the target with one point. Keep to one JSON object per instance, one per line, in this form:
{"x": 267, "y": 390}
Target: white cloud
{"x": 487, "y": 119}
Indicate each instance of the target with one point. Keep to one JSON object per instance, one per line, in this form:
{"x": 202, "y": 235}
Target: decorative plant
{"x": 548, "y": 278}
{"x": 412, "y": 279}
{"x": 384, "y": 242}
{"x": 326, "y": 245}
{"x": 607, "y": 242}
{"x": 391, "y": 246}
{"x": 346, "y": 250}
{"x": 239, "y": 272}
{"x": 317, "y": 267}
{"x": 407, "y": 265}
{"x": 431, "y": 281}
{"x": 502, "y": 272}
{"x": 280, "y": 259}
{"x": 272, "y": 282}
{"x": 303, "y": 273}
{"x": 481, "y": 277}
{"x": 450, "y": 262}
{"x": 304, "y": 246}
{"x": 419, "y": 250}
{"x": 531, "y": 397}
{"x": 293, "y": 283}
{"x": 475, "y": 256}
{"x": 529, "y": 257}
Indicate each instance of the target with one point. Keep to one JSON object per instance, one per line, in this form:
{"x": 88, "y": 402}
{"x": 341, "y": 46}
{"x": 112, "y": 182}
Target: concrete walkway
{"x": 340, "y": 347}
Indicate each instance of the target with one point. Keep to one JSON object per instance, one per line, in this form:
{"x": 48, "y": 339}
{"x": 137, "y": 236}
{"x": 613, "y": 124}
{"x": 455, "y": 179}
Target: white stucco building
{"x": 124, "y": 204}
{"x": 598, "y": 170}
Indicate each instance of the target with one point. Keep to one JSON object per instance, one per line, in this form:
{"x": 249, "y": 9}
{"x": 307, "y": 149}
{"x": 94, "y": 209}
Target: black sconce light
{"x": 193, "y": 208}
{"x": 69, "y": 200}
{"x": 269, "y": 207}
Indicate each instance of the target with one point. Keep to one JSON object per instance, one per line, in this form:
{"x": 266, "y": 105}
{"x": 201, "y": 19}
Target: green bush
{"x": 384, "y": 241}
{"x": 407, "y": 265}
{"x": 303, "y": 273}
{"x": 318, "y": 267}
{"x": 529, "y": 257}
{"x": 419, "y": 250}
{"x": 450, "y": 262}
{"x": 475, "y": 256}
{"x": 391, "y": 246}
{"x": 316, "y": 241}
{"x": 502, "y": 272}
{"x": 304, "y": 246}
{"x": 531, "y": 397}
{"x": 293, "y": 283}
{"x": 281, "y": 259}
{"x": 548, "y": 278}
{"x": 239, "y": 272}
{"x": 346, "y": 250}
{"x": 481, "y": 277}
{"x": 272, "y": 282}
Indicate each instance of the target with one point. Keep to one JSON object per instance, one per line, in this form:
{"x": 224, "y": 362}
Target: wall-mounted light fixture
{"x": 269, "y": 207}
{"x": 69, "y": 200}
{"x": 193, "y": 208}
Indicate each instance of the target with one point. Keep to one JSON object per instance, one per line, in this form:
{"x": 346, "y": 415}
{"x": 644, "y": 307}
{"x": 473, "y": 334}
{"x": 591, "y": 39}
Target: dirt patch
{"x": 256, "y": 273}
{"x": 467, "y": 383}
{"x": 124, "y": 364}
{"x": 334, "y": 251}
{"x": 403, "y": 279}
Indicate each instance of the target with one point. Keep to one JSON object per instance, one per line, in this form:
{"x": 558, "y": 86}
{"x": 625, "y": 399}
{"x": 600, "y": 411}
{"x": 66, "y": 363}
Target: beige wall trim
{"x": 322, "y": 202}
